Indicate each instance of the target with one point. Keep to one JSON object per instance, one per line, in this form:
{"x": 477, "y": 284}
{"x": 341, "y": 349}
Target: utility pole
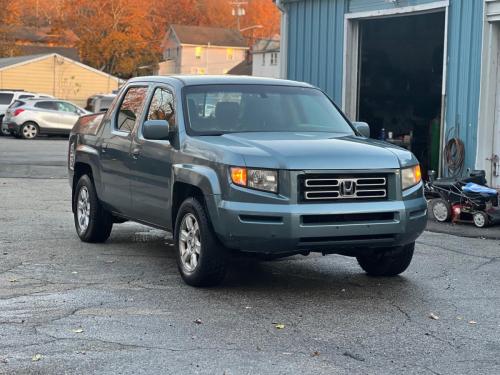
{"x": 238, "y": 10}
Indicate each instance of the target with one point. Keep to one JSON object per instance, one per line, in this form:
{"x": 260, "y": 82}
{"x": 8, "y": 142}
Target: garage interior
{"x": 400, "y": 82}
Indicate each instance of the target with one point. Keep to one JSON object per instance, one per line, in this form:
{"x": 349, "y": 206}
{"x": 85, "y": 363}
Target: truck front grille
{"x": 328, "y": 187}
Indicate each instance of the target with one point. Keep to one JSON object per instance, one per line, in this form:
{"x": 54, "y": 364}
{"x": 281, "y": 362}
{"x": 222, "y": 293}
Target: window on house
{"x": 274, "y": 58}
{"x": 230, "y": 54}
{"x": 168, "y": 53}
{"x": 197, "y": 53}
{"x": 263, "y": 59}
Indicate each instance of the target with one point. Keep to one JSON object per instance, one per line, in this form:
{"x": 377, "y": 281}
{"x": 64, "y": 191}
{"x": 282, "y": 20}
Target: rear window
{"x": 47, "y": 105}
{"x": 5, "y": 98}
{"x": 17, "y": 103}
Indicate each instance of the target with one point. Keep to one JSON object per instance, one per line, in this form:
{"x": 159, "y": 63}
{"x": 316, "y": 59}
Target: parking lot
{"x": 121, "y": 307}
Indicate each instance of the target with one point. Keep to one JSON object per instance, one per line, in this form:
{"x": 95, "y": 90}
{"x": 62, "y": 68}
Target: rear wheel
{"x": 93, "y": 223}
{"x": 441, "y": 210}
{"x": 390, "y": 262}
{"x": 29, "y": 130}
{"x": 201, "y": 258}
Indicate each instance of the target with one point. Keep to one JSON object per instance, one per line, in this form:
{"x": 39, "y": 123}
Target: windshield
{"x": 5, "y": 98}
{"x": 220, "y": 109}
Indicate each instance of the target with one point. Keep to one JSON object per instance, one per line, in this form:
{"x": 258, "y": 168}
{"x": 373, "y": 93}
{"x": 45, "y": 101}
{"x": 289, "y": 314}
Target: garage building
{"x": 55, "y": 75}
{"x": 412, "y": 69}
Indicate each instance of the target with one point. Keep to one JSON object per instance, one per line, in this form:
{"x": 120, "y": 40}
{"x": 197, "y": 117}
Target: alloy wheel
{"x": 83, "y": 209}
{"x": 189, "y": 242}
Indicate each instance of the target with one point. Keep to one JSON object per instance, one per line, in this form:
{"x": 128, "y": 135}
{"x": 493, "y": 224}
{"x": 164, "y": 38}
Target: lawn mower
{"x": 465, "y": 199}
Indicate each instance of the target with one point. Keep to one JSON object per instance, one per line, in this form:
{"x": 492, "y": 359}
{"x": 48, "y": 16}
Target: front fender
{"x": 207, "y": 180}
{"x": 201, "y": 176}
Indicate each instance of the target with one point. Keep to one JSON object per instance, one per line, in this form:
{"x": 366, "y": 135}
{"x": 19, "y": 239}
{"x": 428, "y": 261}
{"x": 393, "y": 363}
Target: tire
{"x": 480, "y": 219}
{"x": 390, "y": 262}
{"x": 3, "y": 132}
{"x": 29, "y": 130}
{"x": 201, "y": 258}
{"x": 441, "y": 210}
{"x": 92, "y": 222}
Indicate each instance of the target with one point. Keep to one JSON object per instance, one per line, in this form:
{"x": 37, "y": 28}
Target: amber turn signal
{"x": 239, "y": 176}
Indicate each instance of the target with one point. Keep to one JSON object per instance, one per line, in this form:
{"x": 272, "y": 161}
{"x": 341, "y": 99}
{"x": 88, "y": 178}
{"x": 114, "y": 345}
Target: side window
{"x": 131, "y": 108}
{"x": 47, "y": 105}
{"x": 162, "y": 106}
{"x": 26, "y": 96}
{"x": 66, "y": 107}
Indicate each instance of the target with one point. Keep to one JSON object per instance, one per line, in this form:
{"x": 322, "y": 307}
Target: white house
{"x": 201, "y": 50}
{"x": 265, "y": 61}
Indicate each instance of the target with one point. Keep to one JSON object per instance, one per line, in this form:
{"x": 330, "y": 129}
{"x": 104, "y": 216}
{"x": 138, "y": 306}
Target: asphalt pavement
{"x": 121, "y": 307}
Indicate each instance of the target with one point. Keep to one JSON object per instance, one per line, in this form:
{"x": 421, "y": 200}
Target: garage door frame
{"x": 350, "y": 87}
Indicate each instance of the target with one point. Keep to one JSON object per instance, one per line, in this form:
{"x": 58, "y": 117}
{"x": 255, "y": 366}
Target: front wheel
{"x": 480, "y": 219}
{"x": 93, "y": 223}
{"x": 390, "y": 262}
{"x": 201, "y": 258}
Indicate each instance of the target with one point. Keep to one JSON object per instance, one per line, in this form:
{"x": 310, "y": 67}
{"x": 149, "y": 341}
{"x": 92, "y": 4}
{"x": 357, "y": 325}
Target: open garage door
{"x": 401, "y": 72}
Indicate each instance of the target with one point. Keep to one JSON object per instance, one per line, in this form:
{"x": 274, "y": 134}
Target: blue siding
{"x": 316, "y": 44}
{"x": 464, "y": 73}
{"x": 366, "y": 5}
{"x": 315, "y": 55}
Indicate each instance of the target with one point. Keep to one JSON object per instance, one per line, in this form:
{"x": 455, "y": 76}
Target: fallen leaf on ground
{"x": 36, "y": 357}
{"x": 315, "y": 354}
{"x": 433, "y": 316}
{"x": 77, "y": 330}
{"x": 280, "y": 326}
{"x": 198, "y": 321}
{"x": 472, "y": 322}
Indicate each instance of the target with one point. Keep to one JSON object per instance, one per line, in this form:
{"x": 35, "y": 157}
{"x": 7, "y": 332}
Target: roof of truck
{"x": 193, "y": 80}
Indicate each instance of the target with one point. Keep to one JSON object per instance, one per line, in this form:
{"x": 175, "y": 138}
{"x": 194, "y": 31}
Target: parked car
{"x": 30, "y": 118}
{"x": 276, "y": 170}
{"x": 7, "y": 97}
{"x": 99, "y": 103}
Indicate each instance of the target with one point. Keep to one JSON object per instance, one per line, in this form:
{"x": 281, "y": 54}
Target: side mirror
{"x": 363, "y": 128}
{"x": 156, "y": 130}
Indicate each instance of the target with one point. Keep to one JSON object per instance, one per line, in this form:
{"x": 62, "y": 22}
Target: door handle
{"x": 135, "y": 153}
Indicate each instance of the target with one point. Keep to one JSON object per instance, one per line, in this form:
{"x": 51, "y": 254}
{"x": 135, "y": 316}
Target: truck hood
{"x": 312, "y": 150}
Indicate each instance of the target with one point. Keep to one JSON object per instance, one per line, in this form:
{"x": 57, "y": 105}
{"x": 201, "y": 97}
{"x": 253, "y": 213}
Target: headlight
{"x": 410, "y": 176}
{"x": 258, "y": 179}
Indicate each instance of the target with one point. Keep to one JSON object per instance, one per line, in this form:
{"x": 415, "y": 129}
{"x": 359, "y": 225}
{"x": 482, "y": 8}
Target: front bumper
{"x": 344, "y": 228}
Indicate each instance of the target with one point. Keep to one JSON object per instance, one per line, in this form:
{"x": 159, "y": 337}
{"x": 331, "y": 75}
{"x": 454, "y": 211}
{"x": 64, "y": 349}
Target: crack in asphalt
{"x": 455, "y": 251}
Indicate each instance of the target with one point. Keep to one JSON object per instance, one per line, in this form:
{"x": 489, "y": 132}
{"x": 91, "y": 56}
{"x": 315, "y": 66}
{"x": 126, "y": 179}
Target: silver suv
{"x": 8, "y": 97}
{"x": 29, "y": 118}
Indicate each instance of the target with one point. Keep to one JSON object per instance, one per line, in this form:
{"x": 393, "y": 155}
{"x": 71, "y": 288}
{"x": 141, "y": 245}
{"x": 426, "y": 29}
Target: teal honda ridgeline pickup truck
{"x": 270, "y": 167}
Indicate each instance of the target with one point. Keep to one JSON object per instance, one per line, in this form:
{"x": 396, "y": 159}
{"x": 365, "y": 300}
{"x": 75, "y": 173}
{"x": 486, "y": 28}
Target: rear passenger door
{"x": 46, "y": 115}
{"x": 152, "y": 163}
{"x": 115, "y": 149}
